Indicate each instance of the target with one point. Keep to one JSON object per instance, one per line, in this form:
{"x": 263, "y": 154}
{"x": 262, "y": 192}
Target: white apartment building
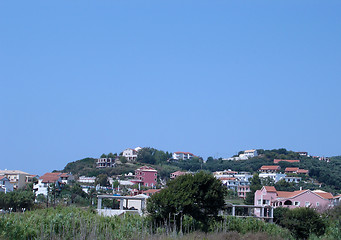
{"x": 182, "y": 155}
{"x": 274, "y": 176}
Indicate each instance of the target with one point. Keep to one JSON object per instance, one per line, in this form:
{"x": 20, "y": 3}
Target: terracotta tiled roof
{"x": 184, "y": 153}
{"x": 1, "y": 177}
{"x": 227, "y": 178}
{"x": 178, "y": 173}
{"x": 285, "y": 160}
{"x": 270, "y": 189}
{"x": 302, "y": 171}
{"x": 284, "y": 194}
{"x": 50, "y": 177}
{"x": 291, "y": 169}
{"x": 323, "y": 194}
{"x": 272, "y": 167}
{"x": 152, "y": 191}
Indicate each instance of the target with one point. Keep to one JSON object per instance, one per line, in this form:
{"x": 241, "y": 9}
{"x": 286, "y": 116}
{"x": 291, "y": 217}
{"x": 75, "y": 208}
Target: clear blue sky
{"x": 82, "y": 78}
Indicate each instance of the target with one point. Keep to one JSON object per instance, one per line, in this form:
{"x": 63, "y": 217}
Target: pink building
{"x": 242, "y": 190}
{"x": 177, "y": 174}
{"x": 302, "y": 198}
{"x": 147, "y": 176}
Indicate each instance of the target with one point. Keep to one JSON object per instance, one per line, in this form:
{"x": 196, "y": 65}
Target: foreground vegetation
{"x": 77, "y": 223}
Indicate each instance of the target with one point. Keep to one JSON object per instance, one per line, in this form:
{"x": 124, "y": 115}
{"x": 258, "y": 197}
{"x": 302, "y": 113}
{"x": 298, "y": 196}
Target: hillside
{"x": 327, "y": 173}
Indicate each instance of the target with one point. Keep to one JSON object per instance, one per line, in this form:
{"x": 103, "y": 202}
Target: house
{"x": 285, "y": 160}
{"x": 273, "y": 168}
{"x": 147, "y": 176}
{"x": 182, "y": 155}
{"x": 83, "y": 179}
{"x": 242, "y": 190}
{"x": 225, "y": 173}
{"x": 273, "y": 176}
{"x": 293, "y": 179}
{"x": 244, "y": 156}
{"x": 151, "y": 192}
{"x": 48, "y": 180}
{"x": 105, "y": 162}
{"x": 230, "y": 182}
{"x": 305, "y": 154}
{"x": 131, "y": 154}
{"x": 5, "y": 185}
{"x": 250, "y": 153}
{"x": 268, "y": 195}
{"x": 296, "y": 170}
{"x": 177, "y": 174}
{"x": 337, "y": 200}
{"x": 16, "y": 177}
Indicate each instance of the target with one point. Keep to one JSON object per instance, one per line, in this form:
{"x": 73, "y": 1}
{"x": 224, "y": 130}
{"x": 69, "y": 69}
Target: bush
{"x": 303, "y": 222}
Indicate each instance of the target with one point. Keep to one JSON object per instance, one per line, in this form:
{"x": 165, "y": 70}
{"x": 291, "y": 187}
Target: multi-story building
{"x": 16, "y": 177}
{"x": 56, "y": 179}
{"x": 147, "y": 176}
{"x": 242, "y": 189}
{"x": 105, "y": 162}
{"x": 131, "y": 154}
{"x": 296, "y": 170}
{"x": 273, "y": 176}
{"x": 83, "y": 179}
{"x": 302, "y": 198}
{"x": 182, "y": 155}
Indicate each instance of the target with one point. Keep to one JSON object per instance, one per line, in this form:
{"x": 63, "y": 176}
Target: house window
{"x": 307, "y": 204}
{"x": 259, "y": 202}
{"x": 297, "y": 203}
{"x": 317, "y": 204}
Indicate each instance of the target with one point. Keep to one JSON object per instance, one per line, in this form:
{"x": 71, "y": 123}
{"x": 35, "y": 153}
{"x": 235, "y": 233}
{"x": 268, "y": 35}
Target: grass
{"x": 75, "y": 223}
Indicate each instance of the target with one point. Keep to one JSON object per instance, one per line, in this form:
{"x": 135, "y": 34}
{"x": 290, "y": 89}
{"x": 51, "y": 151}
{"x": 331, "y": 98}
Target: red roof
{"x": 302, "y": 171}
{"x": 2, "y": 177}
{"x": 185, "y": 153}
{"x": 50, "y": 177}
{"x": 323, "y": 194}
{"x": 178, "y": 173}
{"x": 285, "y": 194}
{"x": 273, "y": 167}
{"x": 151, "y": 191}
{"x": 291, "y": 169}
{"x": 270, "y": 189}
{"x": 227, "y": 178}
{"x": 285, "y": 160}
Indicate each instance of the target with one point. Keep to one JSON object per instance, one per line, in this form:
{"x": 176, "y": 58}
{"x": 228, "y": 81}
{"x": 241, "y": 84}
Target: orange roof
{"x": 323, "y": 194}
{"x": 272, "y": 167}
{"x": 50, "y": 177}
{"x": 291, "y": 169}
{"x": 285, "y": 160}
{"x": 284, "y": 194}
{"x": 2, "y": 177}
{"x": 270, "y": 189}
{"x": 152, "y": 191}
{"x": 227, "y": 178}
{"x": 185, "y": 153}
{"x": 302, "y": 171}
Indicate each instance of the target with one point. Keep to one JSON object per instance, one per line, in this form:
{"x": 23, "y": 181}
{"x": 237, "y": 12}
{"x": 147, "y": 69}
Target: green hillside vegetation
{"x": 328, "y": 174}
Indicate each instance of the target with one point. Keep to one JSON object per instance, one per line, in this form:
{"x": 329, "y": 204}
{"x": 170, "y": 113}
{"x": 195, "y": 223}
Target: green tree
{"x": 255, "y": 184}
{"x": 102, "y": 180}
{"x": 302, "y": 222}
{"x": 123, "y": 159}
{"x": 103, "y": 155}
{"x": 200, "y": 196}
{"x": 111, "y": 155}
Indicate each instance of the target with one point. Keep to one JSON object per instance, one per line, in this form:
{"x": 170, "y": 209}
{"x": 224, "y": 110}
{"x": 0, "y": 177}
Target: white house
{"x": 131, "y": 154}
{"x": 244, "y": 156}
{"x": 5, "y": 185}
{"x": 182, "y": 155}
{"x": 274, "y": 176}
{"x": 83, "y": 179}
{"x": 48, "y": 180}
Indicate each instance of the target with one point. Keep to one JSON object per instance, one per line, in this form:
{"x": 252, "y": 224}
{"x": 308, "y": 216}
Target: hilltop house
{"x": 105, "y": 162}
{"x": 182, "y": 155}
{"x": 131, "y": 154}
{"x": 268, "y": 195}
{"x": 5, "y": 185}
{"x": 245, "y": 156}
